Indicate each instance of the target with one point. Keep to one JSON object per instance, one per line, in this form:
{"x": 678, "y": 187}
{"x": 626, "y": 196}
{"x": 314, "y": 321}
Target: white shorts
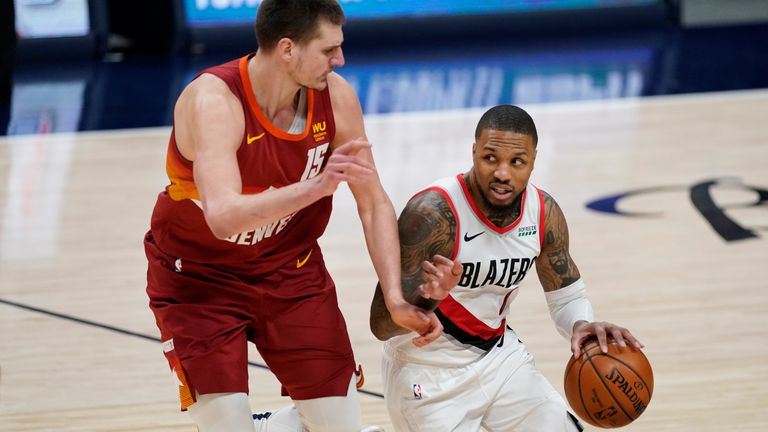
{"x": 502, "y": 391}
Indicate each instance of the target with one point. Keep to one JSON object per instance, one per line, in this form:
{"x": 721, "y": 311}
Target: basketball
{"x": 608, "y": 390}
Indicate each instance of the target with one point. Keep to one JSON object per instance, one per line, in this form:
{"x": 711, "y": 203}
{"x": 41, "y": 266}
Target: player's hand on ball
{"x": 582, "y": 330}
{"x": 608, "y": 389}
{"x": 440, "y": 276}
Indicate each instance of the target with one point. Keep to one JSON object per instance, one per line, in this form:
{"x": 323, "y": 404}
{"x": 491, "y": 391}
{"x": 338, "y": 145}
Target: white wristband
{"x": 568, "y": 305}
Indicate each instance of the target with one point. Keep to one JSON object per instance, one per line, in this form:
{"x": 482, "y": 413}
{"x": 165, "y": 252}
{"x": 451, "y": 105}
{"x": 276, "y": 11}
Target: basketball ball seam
{"x": 581, "y": 395}
{"x": 637, "y": 374}
{"x": 608, "y": 389}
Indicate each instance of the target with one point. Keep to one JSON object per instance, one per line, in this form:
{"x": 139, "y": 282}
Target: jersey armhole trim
{"x": 542, "y": 214}
{"x": 174, "y": 146}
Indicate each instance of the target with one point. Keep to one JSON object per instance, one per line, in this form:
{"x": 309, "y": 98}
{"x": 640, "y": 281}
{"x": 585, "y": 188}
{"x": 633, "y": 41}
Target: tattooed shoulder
{"x": 427, "y": 226}
{"x": 555, "y": 266}
{"x": 555, "y": 229}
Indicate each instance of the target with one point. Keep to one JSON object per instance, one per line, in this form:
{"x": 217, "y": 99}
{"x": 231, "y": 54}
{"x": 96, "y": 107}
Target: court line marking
{"x": 128, "y": 332}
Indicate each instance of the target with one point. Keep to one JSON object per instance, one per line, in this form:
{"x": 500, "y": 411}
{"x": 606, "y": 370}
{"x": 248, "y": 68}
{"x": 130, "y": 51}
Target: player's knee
{"x": 332, "y": 414}
{"x": 222, "y": 412}
{"x": 334, "y": 418}
{"x": 339, "y": 425}
{"x": 316, "y": 421}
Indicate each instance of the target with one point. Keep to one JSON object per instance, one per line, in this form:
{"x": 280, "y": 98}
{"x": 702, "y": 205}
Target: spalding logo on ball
{"x": 608, "y": 390}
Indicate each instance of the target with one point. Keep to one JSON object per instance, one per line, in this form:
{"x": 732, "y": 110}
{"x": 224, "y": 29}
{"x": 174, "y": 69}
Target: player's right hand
{"x": 345, "y": 165}
{"x": 583, "y": 330}
{"x": 440, "y": 276}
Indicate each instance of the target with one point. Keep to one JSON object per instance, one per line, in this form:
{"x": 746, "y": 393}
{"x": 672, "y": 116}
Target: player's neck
{"x": 275, "y": 91}
{"x": 497, "y": 215}
{"x": 505, "y": 216}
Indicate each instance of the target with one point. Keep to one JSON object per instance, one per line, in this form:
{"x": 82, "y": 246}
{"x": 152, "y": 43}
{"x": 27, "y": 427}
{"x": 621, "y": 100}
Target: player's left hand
{"x": 410, "y": 317}
{"x": 418, "y": 320}
{"x": 440, "y": 276}
{"x": 583, "y": 330}
{"x": 435, "y": 329}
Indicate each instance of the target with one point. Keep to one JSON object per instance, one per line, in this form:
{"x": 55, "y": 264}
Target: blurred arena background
{"x": 84, "y": 65}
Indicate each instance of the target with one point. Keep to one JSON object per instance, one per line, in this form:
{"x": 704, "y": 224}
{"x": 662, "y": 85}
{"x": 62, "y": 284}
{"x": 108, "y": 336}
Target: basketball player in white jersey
{"x": 494, "y": 225}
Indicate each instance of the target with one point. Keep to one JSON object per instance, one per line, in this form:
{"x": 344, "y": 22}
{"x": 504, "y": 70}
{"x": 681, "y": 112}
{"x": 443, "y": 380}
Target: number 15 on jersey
{"x": 315, "y": 157}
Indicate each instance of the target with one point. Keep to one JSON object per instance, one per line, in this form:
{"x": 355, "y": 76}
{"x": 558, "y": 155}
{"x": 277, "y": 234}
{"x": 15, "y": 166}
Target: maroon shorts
{"x": 291, "y": 315}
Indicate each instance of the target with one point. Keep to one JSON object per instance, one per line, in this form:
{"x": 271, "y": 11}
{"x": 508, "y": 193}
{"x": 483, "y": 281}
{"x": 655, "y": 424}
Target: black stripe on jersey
{"x": 452, "y": 329}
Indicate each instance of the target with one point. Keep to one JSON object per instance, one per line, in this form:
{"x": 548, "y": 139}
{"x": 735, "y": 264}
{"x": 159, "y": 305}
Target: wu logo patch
{"x": 526, "y": 231}
{"x": 318, "y": 127}
{"x": 318, "y": 131}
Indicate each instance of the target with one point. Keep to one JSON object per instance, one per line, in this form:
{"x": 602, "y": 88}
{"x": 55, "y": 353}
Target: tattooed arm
{"x": 556, "y": 271}
{"x": 554, "y": 265}
{"x": 427, "y": 227}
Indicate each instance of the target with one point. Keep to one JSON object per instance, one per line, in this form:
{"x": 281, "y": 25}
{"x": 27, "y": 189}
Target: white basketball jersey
{"x": 495, "y": 260}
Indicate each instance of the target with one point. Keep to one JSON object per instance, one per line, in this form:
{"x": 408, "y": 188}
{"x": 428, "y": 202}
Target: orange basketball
{"x": 608, "y": 390}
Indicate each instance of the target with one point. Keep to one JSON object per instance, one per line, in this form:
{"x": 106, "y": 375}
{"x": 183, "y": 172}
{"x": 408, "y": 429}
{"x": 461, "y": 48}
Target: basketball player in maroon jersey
{"x": 258, "y": 147}
{"x": 494, "y": 225}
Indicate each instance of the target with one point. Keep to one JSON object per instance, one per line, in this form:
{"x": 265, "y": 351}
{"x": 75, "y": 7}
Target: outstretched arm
{"x": 427, "y": 228}
{"x": 374, "y": 208}
{"x": 564, "y": 289}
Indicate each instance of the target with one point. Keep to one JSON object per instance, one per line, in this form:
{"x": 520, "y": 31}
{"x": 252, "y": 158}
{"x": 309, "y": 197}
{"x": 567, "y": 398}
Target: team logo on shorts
{"x": 417, "y": 391}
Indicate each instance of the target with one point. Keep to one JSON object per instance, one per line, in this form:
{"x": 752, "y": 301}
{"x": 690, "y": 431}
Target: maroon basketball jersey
{"x": 268, "y": 158}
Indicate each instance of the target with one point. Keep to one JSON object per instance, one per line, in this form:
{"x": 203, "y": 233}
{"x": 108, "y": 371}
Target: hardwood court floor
{"x": 75, "y": 208}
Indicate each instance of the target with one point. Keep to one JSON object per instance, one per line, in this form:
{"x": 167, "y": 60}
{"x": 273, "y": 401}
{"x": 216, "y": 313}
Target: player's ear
{"x": 285, "y": 47}
{"x": 474, "y": 148}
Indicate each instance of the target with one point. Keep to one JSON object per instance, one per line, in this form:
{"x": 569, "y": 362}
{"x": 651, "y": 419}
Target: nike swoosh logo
{"x": 252, "y": 139}
{"x": 467, "y": 237}
{"x": 300, "y": 263}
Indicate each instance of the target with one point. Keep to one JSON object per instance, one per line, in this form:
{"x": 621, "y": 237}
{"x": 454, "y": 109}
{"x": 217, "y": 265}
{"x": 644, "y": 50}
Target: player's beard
{"x": 500, "y": 212}
{"x": 318, "y": 83}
